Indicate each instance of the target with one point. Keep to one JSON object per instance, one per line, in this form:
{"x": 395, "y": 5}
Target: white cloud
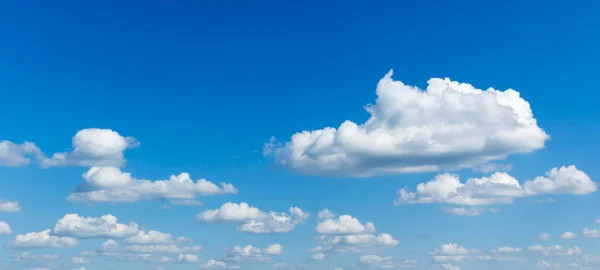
{"x": 317, "y": 257}
{"x": 493, "y": 167}
{"x": 28, "y": 257}
{"x": 94, "y": 147}
{"x": 449, "y": 125}
{"x": 507, "y": 249}
{"x": 104, "y": 184}
{"x": 274, "y": 249}
{"x": 452, "y": 253}
{"x": 385, "y": 262}
{"x": 11, "y": 207}
{"x": 18, "y": 155}
{"x": 568, "y": 236}
{"x": 325, "y": 214}
{"x": 217, "y": 264}
{"x": 591, "y": 233}
{"x": 450, "y": 267}
{"x": 89, "y": 227}
{"x": 42, "y": 239}
{"x": 170, "y": 248}
{"x": 545, "y": 250}
{"x": 150, "y": 238}
{"x": 255, "y": 220}
{"x": 109, "y": 245}
{"x": 498, "y": 188}
{"x": 250, "y": 252}
{"x": 5, "y": 228}
{"x": 544, "y": 236}
{"x": 344, "y": 224}
{"x": 545, "y": 264}
{"x": 79, "y": 260}
{"x": 461, "y": 211}
{"x": 188, "y": 258}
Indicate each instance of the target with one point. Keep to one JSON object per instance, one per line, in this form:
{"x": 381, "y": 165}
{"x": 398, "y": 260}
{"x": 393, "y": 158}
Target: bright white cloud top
{"x": 254, "y": 220}
{"x": 91, "y": 227}
{"x": 498, "y": 188}
{"x": 42, "y": 239}
{"x": 449, "y": 125}
{"x": 94, "y": 147}
{"x": 110, "y": 184}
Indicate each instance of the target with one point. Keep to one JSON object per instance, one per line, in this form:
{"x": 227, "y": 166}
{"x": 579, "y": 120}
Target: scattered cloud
{"x": 385, "y": 262}
{"x": 449, "y": 125}
{"x": 317, "y": 256}
{"x": 254, "y": 220}
{"x": 93, "y": 147}
{"x": 110, "y": 184}
{"x": 211, "y": 264}
{"x": 188, "y": 258}
{"x": 250, "y": 252}
{"x": 498, "y": 188}
{"x": 18, "y": 155}
{"x": 42, "y": 239}
{"x": 5, "y": 228}
{"x": 544, "y": 236}
{"x": 10, "y": 207}
{"x": 568, "y": 236}
{"x": 91, "y": 227}
{"x": 461, "y": 211}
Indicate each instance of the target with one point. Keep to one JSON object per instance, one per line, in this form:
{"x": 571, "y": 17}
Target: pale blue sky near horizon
{"x": 202, "y": 85}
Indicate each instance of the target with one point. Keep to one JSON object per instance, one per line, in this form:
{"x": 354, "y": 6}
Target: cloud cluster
{"x": 17, "y": 155}
{"x": 498, "y": 188}
{"x": 91, "y": 227}
{"x": 8, "y": 206}
{"x": 449, "y": 125}
{"x": 254, "y": 220}
{"x": 110, "y": 184}
{"x": 452, "y": 253}
{"x": 93, "y": 147}
{"x": 250, "y": 252}
{"x": 347, "y": 234}
{"x": 41, "y": 240}
{"x": 385, "y": 262}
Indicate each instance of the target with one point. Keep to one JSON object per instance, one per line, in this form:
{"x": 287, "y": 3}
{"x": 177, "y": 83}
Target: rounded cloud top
{"x": 449, "y": 125}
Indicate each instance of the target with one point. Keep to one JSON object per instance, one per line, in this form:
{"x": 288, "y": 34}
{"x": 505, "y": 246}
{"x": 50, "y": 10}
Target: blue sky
{"x": 201, "y": 87}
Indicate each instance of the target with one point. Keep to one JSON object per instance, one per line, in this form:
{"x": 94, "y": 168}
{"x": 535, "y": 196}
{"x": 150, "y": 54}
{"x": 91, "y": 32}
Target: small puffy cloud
{"x": 385, "y": 262}
{"x": 507, "y": 249}
{"x": 90, "y": 227}
{"x": 150, "y": 238}
{"x": 462, "y": 211}
{"x": 344, "y": 224}
{"x": 498, "y": 188}
{"x": 8, "y": 206}
{"x": 545, "y": 250}
{"x": 591, "y": 233}
{"x": 4, "y": 228}
{"x": 545, "y": 264}
{"x": 170, "y": 248}
{"x": 79, "y": 260}
{"x": 544, "y": 236}
{"x": 211, "y": 264}
{"x": 254, "y": 220}
{"x": 188, "y": 258}
{"x": 42, "y": 239}
{"x": 317, "y": 257}
{"x": 449, "y": 267}
{"x": 110, "y": 184}
{"x": 452, "y": 253}
{"x": 250, "y": 252}
{"x": 274, "y": 249}
{"x": 18, "y": 155}
{"x": 568, "y": 236}
{"x": 109, "y": 245}
{"x": 325, "y": 214}
{"x": 449, "y": 125}
{"x": 93, "y": 147}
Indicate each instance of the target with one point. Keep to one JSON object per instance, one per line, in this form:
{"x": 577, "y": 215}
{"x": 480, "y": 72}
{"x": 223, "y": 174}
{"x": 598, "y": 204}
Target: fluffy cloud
{"x": 109, "y": 245}
{"x": 79, "y": 260}
{"x": 150, "y": 238}
{"x": 89, "y": 227}
{"x": 591, "y": 233}
{"x": 344, "y": 224}
{"x": 28, "y": 257}
{"x": 4, "y": 228}
{"x": 347, "y": 234}
{"x": 545, "y": 264}
{"x": 104, "y": 184}
{"x": 449, "y": 125}
{"x": 317, "y": 257}
{"x": 170, "y": 248}
{"x": 385, "y": 262}
{"x": 188, "y": 258}
{"x": 556, "y": 250}
{"x": 217, "y": 264}
{"x": 11, "y": 207}
{"x": 568, "y": 236}
{"x": 17, "y": 155}
{"x": 498, "y": 188}
{"x": 42, "y": 239}
{"x": 254, "y": 220}
{"x": 94, "y": 147}
{"x": 250, "y": 252}
{"x": 461, "y": 211}
{"x": 507, "y": 249}
{"x": 544, "y": 236}
{"x": 452, "y": 253}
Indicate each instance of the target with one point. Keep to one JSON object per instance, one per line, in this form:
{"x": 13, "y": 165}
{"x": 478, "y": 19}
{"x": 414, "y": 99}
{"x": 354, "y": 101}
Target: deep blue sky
{"x": 203, "y": 84}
